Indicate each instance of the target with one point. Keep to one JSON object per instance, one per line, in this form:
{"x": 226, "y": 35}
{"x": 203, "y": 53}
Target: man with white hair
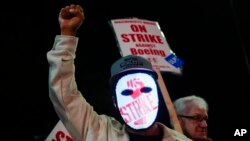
{"x": 192, "y": 112}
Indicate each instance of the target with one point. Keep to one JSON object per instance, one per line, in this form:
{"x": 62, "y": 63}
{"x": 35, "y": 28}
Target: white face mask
{"x": 137, "y": 99}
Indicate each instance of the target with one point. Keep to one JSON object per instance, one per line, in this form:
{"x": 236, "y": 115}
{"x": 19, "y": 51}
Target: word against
{"x": 240, "y": 132}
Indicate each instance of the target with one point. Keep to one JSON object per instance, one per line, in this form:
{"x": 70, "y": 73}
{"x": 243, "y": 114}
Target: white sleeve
{"x": 76, "y": 114}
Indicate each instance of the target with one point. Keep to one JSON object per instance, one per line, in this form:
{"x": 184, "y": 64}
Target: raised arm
{"x": 72, "y": 109}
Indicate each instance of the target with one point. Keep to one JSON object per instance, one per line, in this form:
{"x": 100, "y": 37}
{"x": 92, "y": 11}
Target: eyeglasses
{"x": 197, "y": 118}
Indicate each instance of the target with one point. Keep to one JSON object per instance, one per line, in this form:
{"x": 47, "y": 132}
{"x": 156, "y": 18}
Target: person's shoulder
{"x": 115, "y": 124}
{"x": 170, "y": 133}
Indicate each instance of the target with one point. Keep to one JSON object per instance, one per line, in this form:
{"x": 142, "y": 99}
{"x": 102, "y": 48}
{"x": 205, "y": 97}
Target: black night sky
{"x": 211, "y": 37}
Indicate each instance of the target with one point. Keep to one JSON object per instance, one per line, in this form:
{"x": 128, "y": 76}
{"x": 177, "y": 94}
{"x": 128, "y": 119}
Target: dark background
{"x": 211, "y": 37}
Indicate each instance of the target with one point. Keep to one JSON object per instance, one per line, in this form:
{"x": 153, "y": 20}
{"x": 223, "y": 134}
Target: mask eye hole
{"x": 146, "y": 89}
{"x": 127, "y": 92}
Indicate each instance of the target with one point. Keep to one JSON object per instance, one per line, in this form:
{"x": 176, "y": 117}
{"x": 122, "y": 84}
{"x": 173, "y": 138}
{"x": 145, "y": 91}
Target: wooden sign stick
{"x": 168, "y": 102}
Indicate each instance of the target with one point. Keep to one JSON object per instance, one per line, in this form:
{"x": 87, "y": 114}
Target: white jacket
{"x": 78, "y": 116}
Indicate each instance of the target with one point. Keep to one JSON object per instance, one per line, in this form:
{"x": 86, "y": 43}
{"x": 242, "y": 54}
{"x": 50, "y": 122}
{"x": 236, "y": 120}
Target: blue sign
{"x": 172, "y": 59}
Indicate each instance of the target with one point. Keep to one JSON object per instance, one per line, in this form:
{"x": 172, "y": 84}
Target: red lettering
{"x": 125, "y": 38}
{"x": 146, "y": 107}
{"x": 138, "y": 28}
{"x": 145, "y": 45}
{"x": 133, "y": 51}
{"x": 141, "y": 38}
{"x": 149, "y": 99}
{"x": 125, "y": 115}
{"x": 147, "y": 51}
{"x": 68, "y": 138}
{"x": 130, "y": 109}
{"x": 61, "y": 135}
{"x": 138, "y": 108}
